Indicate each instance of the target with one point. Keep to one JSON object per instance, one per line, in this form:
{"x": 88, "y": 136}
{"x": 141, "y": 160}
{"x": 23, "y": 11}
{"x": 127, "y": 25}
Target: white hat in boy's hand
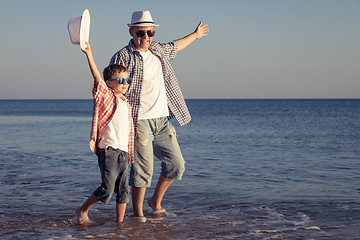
{"x": 79, "y": 29}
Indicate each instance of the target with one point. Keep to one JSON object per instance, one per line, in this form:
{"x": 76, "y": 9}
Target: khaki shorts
{"x": 156, "y": 137}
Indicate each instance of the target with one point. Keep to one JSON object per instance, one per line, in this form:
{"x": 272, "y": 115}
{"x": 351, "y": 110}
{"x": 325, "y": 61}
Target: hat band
{"x": 142, "y": 22}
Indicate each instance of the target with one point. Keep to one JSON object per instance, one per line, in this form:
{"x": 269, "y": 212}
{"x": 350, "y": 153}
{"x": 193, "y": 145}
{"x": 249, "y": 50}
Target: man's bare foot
{"x": 82, "y": 217}
{"x": 156, "y": 209}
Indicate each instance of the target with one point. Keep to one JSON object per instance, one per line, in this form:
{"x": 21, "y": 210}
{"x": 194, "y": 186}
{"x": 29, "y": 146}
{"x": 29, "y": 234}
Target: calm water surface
{"x": 256, "y": 169}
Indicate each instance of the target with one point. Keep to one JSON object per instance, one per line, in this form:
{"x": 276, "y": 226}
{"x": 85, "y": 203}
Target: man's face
{"x": 142, "y": 44}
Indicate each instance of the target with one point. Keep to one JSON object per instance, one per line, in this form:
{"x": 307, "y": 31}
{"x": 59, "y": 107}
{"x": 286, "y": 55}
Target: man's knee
{"x": 174, "y": 170}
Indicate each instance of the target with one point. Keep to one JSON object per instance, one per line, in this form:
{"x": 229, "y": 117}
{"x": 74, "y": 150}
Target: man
{"x": 155, "y": 97}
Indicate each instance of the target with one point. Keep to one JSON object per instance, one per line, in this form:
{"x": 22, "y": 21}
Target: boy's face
{"x": 119, "y": 88}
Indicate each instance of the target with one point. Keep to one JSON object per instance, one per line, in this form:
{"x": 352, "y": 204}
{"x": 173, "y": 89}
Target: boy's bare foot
{"x": 156, "y": 210}
{"x": 82, "y": 218}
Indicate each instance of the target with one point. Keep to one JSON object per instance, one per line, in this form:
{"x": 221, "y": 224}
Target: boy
{"x": 112, "y": 137}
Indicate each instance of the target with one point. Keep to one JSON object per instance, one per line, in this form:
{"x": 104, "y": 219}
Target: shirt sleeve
{"x": 119, "y": 57}
{"x": 100, "y": 89}
{"x": 114, "y": 59}
{"x": 167, "y": 51}
{"x": 174, "y": 50}
{"x": 170, "y": 50}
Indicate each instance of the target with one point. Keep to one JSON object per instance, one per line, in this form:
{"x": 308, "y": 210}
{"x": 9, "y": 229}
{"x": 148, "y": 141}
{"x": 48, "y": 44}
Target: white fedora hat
{"x": 142, "y": 19}
{"x": 79, "y": 29}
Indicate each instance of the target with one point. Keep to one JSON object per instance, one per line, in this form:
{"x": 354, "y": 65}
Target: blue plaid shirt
{"x": 131, "y": 58}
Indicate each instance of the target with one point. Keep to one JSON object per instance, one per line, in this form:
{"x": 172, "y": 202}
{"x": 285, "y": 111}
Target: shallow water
{"x": 256, "y": 169}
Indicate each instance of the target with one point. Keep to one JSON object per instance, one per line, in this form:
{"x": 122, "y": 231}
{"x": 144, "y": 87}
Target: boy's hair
{"x": 112, "y": 69}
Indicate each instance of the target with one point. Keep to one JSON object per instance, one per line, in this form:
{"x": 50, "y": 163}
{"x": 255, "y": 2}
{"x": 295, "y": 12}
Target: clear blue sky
{"x": 255, "y": 48}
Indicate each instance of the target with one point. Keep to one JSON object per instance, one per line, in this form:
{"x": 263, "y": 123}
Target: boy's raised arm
{"x": 94, "y": 70}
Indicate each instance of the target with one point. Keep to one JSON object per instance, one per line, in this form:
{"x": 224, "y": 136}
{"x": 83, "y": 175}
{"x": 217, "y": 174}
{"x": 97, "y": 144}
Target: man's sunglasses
{"x": 121, "y": 80}
{"x": 141, "y": 33}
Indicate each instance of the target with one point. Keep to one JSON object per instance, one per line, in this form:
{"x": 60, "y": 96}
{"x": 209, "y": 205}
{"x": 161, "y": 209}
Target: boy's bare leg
{"x": 120, "y": 212}
{"x": 82, "y": 212}
{"x": 162, "y": 185}
{"x": 137, "y": 196}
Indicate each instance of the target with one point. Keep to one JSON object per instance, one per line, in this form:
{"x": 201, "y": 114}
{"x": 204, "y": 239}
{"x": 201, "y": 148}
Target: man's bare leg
{"x": 137, "y": 196}
{"x": 162, "y": 185}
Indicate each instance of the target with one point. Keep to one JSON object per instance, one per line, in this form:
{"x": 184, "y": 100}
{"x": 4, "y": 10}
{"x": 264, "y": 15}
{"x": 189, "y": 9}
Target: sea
{"x": 255, "y": 169}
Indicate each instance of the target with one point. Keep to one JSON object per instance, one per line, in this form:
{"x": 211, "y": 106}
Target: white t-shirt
{"x": 153, "y": 101}
{"x": 116, "y": 133}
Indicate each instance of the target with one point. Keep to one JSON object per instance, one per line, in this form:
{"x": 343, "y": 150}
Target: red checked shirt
{"x": 104, "y": 107}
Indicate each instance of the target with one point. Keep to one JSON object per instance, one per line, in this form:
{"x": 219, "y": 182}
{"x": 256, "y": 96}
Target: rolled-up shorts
{"x": 113, "y": 164}
{"x": 156, "y": 137}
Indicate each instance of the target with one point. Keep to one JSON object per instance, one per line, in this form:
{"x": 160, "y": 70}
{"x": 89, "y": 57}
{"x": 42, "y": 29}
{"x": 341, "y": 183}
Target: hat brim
{"x": 143, "y": 25}
{"x": 84, "y": 29}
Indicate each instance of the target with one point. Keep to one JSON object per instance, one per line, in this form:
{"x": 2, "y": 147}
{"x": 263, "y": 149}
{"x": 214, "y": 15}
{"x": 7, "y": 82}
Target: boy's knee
{"x": 104, "y": 195}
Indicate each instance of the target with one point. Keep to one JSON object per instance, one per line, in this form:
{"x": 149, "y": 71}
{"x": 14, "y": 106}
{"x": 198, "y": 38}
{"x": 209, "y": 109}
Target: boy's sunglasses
{"x": 141, "y": 33}
{"x": 121, "y": 80}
